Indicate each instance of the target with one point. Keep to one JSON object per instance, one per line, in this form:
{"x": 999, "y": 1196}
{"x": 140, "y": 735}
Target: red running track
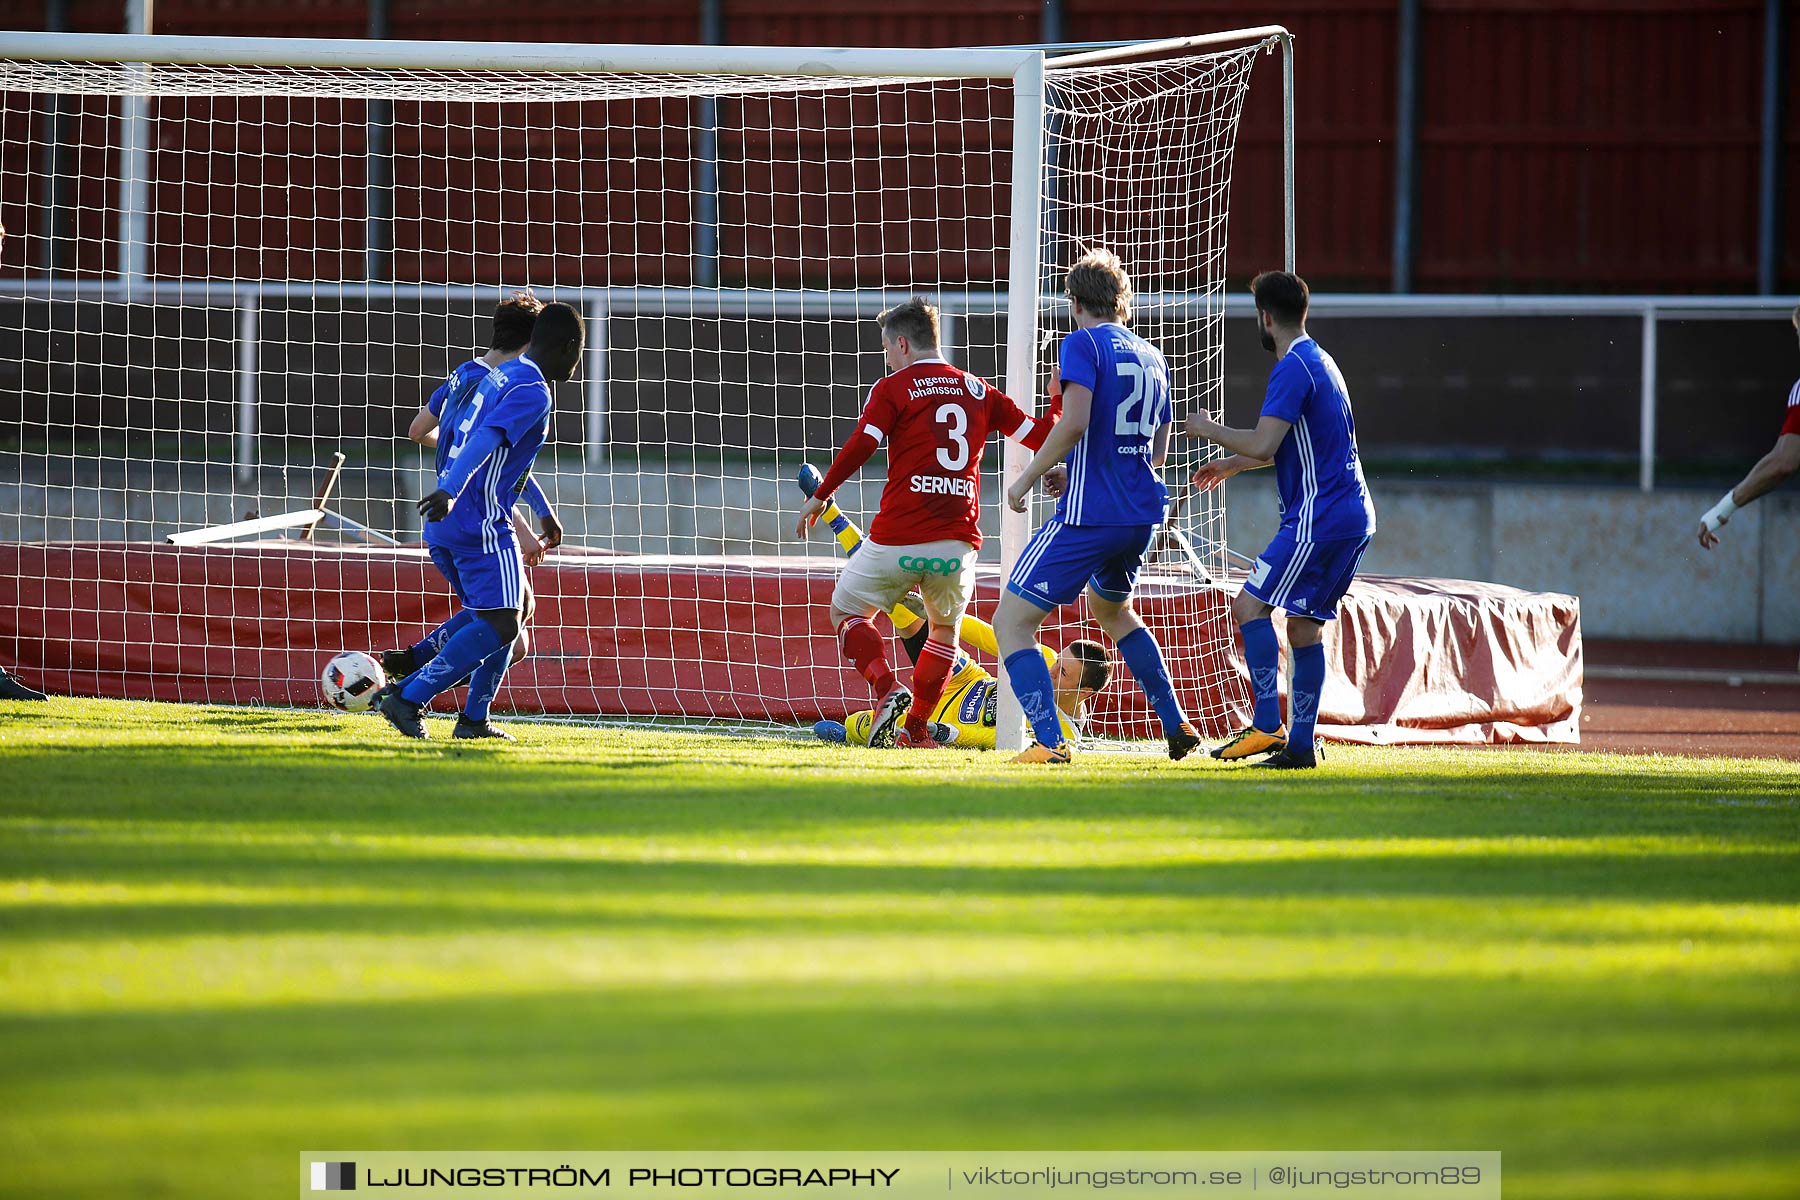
{"x": 1664, "y": 705}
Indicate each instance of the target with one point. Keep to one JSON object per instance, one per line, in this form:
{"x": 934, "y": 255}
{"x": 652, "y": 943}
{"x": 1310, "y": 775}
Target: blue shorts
{"x": 1060, "y": 560}
{"x": 484, "y": 579}
{"x": 1305, "y": 578}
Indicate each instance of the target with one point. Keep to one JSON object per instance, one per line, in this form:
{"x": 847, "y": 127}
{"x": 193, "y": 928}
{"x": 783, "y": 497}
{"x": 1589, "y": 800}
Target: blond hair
{"x": 916, "y": 320}
{"x": 1099, "y": 284}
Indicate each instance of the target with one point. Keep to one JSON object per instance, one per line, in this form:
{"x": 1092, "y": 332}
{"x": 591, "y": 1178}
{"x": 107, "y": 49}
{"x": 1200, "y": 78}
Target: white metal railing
{"x": 602, "y": 304}
{"x": 1648, "y": 309}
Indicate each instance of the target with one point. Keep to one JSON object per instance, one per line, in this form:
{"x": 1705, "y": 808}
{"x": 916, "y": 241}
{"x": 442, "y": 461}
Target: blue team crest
{"x": 977, "y": 386}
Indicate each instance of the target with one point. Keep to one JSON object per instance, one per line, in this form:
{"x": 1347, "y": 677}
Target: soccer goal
{"x": 231, "y": 260}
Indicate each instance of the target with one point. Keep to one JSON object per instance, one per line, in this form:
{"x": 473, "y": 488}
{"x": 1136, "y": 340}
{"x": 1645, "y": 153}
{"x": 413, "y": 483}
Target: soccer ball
{"x": 351, "y": 681}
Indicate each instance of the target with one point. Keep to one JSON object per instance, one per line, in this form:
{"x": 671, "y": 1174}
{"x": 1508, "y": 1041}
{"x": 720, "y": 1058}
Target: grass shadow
{"x": 1567, "y": 1076}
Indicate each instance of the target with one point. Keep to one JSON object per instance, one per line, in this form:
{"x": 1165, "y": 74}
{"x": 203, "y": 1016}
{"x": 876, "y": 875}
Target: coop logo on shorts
{"x": 334, "y": 1177}
{"x": 932, "y": 566}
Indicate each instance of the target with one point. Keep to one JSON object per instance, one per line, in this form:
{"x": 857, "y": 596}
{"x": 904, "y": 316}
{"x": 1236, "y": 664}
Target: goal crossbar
{"x": 809, "y": 61}
{"x": 1112, "y": 52}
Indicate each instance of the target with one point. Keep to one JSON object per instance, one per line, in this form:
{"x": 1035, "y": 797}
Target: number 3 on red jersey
{"x": 953, "y": 423}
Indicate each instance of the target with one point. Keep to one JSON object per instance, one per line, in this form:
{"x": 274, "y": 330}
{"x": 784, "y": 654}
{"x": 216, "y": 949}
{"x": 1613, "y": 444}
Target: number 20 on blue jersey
{"x": 1149, "y": 397}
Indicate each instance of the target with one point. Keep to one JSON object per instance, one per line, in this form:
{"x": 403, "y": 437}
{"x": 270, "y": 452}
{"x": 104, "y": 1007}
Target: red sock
{"x": 863, "y": 647}
{"x": 930, "y": 674}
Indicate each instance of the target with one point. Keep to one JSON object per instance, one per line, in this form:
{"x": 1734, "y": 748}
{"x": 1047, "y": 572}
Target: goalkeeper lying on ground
{"x": 967, "y": 713}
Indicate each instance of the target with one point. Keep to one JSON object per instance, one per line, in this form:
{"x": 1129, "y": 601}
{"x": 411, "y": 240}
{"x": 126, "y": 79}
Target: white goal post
{"x": 207, "y": 296}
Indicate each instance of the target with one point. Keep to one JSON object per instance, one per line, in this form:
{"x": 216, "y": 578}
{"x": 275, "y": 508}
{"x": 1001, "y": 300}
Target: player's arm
{"x": 1770, "y": 471}
{"x": 530, "y": 548}
{"x": 550, "y": 529}
{"x": 858, "y": 450}
{"x": 1077, "y": 374}
{"x": 1212, "y": 474}
{"x": 471, "y": 456}
{"x": 873, "y": 426}
{"x": 1258, "y": 443}
{"x": 979, "y": 634}
{"x": 1064, "y": 436}
{"x": 1289, "y": 385}
{"x": 424, "y": 426}
{"x": 1056, "y": 479}
{"x": 503, "y": 422}
{"x": 1005, "y": 415}
{"x": 975, "y": 632}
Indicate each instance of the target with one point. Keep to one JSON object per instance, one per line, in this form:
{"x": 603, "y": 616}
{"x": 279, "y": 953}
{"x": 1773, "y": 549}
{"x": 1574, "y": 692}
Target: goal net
{"x": 218, "y": 278}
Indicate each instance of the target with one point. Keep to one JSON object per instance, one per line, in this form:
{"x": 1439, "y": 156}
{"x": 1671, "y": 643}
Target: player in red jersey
{"x": 936, "y": 420}
{"x": 1778, "y": 464}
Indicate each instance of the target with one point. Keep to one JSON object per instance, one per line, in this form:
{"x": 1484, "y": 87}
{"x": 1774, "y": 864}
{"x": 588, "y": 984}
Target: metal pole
{"x": 856, "y": 304}
{"x": 378, "y": 252}
{"x": 134, "y": 160}
{"x": 706, "y": 197}
{"x": 1023, "y": 271}
{"x": 1647, "y": 406}
{"x": 50, "y": 196}
{"x": 706, "y": 160}
{"x": 1768, "y": 232}
{"x": 1287, "y": 145}
{"x": 1051, "y": 27}
{"x": 248, "y": 332}
{"x": 593, "y": 385}
{"x": 1406, "y": 145}
{"x": 947, "y": 333}
{"x": 1052, "y": 240}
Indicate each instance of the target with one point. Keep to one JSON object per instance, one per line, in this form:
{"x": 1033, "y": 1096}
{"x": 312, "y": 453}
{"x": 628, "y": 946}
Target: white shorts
{"x": 877, "y": 577}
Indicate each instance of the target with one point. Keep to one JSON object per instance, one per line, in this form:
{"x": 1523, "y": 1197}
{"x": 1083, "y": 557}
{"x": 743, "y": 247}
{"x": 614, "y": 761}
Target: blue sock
{"x": 434, "y": 642}
{"x": 460, "y": 655}
{"x": 1029, "y": 677}
{"x": 1309, "y": 681}
{"x": 484, "y": 685}
{"x": 1144, "y": 657}
{"x": 1263, "y": 654}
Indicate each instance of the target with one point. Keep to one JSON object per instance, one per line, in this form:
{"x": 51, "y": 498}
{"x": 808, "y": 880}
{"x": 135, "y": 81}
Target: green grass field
{"x": 230, "y": 935}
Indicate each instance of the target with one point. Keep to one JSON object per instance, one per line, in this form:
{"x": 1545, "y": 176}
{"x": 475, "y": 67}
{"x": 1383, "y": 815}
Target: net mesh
{"x": 218, "y": 278}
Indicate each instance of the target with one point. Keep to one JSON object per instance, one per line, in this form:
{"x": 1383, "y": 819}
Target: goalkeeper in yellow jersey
{"x": 967, "y": 713}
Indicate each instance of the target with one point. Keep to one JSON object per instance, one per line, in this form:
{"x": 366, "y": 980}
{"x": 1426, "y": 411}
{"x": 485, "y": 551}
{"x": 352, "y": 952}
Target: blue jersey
{"x": 1111, "y": 481}
{"x": 1317, "y": 471}
{"x": 448, "y": 404}
{"x": 515, "y": 399}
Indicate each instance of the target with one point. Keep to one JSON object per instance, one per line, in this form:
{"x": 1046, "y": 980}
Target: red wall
{"x": 1343, "y": 130}
{"x": 1790, "y": 217}
{"x": 1599, "y": 145}
{"x": 885, "y": 23}
{"x": 1609, "y": 144}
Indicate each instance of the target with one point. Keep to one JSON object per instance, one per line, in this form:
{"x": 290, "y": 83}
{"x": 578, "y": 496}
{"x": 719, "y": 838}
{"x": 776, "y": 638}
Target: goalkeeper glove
{"x": 436, "y": 506}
